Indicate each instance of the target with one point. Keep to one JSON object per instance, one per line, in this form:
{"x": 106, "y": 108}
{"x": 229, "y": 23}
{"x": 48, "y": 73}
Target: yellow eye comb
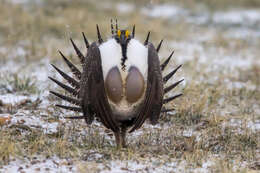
{"x": 118, "y": 33}
{"x": 126, "y": 33}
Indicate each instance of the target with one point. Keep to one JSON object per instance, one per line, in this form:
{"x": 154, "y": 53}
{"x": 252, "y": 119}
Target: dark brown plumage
{"x": 90, "y": 94}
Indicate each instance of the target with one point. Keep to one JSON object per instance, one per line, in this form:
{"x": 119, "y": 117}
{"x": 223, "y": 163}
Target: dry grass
{"x": 211, "y": 4}
{"x": 225, "y": 4}
{"x": 43, "y": 30}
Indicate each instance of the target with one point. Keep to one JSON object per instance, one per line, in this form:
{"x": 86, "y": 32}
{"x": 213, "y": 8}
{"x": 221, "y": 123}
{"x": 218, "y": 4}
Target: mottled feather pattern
{"x": 88, "y": 90}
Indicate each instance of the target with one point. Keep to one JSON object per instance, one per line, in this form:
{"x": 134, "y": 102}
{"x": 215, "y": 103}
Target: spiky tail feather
{"x": 75, "y": 85}
{"x": 166, "y": 78}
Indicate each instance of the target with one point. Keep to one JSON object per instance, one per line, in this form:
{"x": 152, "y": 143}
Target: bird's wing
{"x": 94, "y": 98}
{"x": 154, "y": 92}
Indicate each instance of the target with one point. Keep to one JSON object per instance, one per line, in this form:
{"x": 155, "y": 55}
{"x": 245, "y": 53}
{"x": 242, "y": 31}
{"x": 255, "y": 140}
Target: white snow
{"x": 238, "y": 85}
{"x": 242, "y": 33}
{"x": 233, "y": 62}
{"x": 32, "y": 121}
{"x": 10, "y": 99}
{"x": 27, "y": 2}
{"x": 186, "y": 50}
{"x": 39, "y": 164}
{"x": 118, "y": 166}
{"x": 214, "y": 58}
{"x": 205, "y": 167}
{"x": 242, "y": 125}
{"x": 199, "y": 19}
{"x": 232, "y": 18}
{"x": 124, "y": 7}
{"x": 20, "y": 1}
{"x": 235, "y": 23}
{"x": 164, "y": 11}
{"x": 254, "y": 126}
{"x": 237, "y": 17}
{"x": 188, "y": 133}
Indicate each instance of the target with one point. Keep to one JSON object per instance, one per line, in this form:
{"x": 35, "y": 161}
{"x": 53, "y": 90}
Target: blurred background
{"x": 36, "y": 29}
{"x": 217, "y": 41}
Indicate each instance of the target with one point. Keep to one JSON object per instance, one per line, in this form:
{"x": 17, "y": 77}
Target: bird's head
{"x": 122, "y": 36}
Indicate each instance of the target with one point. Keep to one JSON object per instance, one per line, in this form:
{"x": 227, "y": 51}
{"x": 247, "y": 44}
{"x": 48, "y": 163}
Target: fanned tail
{"x": 74, "y": 84}
{"x": 168, "y": 77}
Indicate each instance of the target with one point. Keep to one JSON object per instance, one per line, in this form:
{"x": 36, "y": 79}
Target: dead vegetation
{"x": 213, "y": 122}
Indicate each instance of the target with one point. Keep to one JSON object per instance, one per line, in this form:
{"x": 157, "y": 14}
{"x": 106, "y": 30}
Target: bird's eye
{"x": 127, "y": 33}
{"x": 118, "y": 33}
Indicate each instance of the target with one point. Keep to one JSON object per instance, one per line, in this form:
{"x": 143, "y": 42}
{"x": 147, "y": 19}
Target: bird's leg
{"x": 120, "y": 138}
{"x": 123, "y": 133}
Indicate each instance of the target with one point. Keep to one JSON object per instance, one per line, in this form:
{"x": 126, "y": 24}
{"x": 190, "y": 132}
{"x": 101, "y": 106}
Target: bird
{"x": 121, "y": 82}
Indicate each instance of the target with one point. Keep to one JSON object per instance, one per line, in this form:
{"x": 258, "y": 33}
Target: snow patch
{"x": 39, "y": 164}
{"x": 33, "y": 121}
{"x": 19, "y": 1}
{"x": 254, "y": 126}
{"x": 205, "y": 167}
{"x": 125, "y": 7}
{"x": 188, "y": 133}
{"x": 10, "y": 99}
{"x": 164, "y": 11}
{"x": 237, "y": 17}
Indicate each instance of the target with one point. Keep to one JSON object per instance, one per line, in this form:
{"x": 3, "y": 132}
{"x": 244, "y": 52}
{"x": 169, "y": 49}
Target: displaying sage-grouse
{"x": 121, "y": 83}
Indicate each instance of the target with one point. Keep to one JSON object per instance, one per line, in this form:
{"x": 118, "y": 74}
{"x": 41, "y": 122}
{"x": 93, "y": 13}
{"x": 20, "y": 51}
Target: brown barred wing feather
{"x": 93, "y": 90}
{"x": 154, "y": 93}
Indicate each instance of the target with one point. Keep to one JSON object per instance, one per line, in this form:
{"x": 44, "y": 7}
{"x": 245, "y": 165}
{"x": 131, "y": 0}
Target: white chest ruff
{"x": 111, "y": 56}
{"x": 137, "y": 56}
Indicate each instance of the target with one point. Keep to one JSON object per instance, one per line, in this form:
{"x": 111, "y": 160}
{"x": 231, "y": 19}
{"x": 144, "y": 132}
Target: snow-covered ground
{"x": 241, "y": 24}
{"x": 39, "y": 164}
{"x": 233, "y": 17}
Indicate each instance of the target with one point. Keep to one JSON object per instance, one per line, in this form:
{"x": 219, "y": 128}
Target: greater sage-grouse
{"x": 121, "y": 83}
